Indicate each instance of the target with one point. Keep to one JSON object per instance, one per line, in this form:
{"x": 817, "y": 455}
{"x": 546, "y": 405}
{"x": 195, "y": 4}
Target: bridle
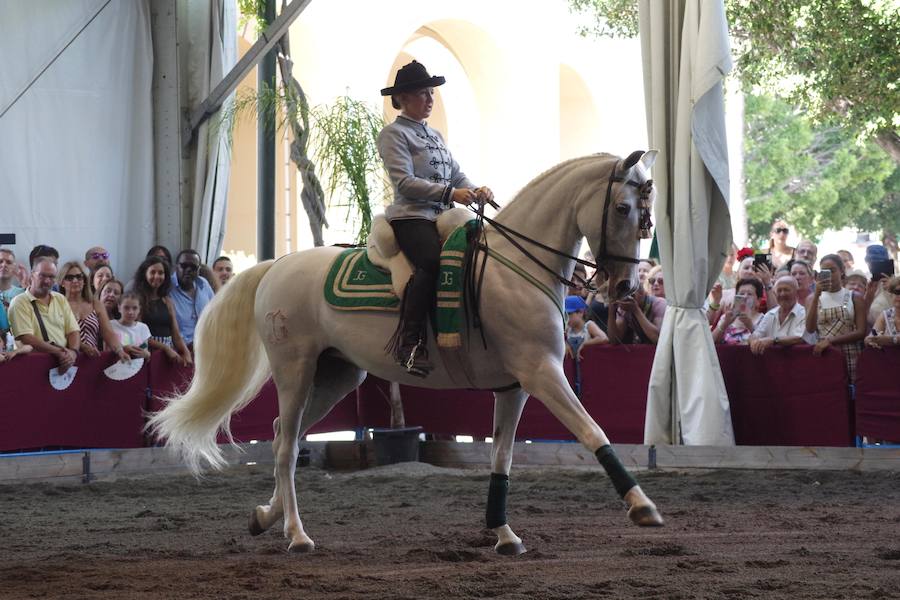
{"x": 645, "y": 225}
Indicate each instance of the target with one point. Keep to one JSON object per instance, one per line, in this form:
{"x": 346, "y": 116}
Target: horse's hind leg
{"x": 548, "y": 382}
{"x": 507, "y": 412}
{"x": 333, "y": 380}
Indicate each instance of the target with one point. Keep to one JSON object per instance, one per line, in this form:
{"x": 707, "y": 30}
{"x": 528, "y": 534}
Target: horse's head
{"x": 616, "y": 221}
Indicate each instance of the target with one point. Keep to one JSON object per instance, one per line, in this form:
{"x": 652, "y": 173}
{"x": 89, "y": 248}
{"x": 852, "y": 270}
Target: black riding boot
{"x": 412, "y": 353}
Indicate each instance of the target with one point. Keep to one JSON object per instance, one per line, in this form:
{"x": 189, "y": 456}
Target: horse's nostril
{"x": 623, "y": 287}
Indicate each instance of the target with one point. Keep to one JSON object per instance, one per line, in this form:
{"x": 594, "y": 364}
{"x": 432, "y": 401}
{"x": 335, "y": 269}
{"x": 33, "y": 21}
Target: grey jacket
{"x": 423, "y": 174}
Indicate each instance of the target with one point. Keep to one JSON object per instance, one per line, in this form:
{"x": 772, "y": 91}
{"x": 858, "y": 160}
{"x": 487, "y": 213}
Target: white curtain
{"x": 686, "y": 56}
{"x": 76, "y": 148}
{"x": 212, "y": 53}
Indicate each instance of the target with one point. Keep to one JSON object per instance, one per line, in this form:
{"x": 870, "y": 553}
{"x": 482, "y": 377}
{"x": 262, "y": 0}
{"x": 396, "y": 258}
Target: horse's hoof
{"x": 645, "y": 516}
{"x": 301, "y": 548}
{"x": 510, "y": 549}
{"x": 254, "y": 526}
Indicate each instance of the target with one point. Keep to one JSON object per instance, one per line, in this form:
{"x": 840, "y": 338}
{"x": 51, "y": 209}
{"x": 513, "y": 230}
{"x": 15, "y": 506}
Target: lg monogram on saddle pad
{"x": 316, "y": 353}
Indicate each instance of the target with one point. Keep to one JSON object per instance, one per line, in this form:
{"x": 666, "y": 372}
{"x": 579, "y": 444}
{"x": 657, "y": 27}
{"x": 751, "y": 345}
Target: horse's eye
{"x": 623, "y": 209}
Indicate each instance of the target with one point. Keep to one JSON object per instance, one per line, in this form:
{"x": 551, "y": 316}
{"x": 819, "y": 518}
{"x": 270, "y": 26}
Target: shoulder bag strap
{"x": 37, "y": 314}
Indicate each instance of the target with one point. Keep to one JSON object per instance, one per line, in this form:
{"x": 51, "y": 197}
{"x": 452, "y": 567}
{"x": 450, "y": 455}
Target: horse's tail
{"x": 230, "y": 367}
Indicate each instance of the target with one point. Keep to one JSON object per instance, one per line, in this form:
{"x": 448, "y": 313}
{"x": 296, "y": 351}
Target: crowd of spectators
{"x": 81, "y": 308}
{"x": 779, "y": 296}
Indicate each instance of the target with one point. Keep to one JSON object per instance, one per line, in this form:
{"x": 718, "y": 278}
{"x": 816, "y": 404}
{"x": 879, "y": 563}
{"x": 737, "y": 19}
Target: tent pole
{"x": 265, "y": 197}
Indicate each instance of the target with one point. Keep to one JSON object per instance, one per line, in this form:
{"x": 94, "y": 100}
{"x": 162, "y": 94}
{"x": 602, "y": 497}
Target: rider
{"x": 426, "y": 181}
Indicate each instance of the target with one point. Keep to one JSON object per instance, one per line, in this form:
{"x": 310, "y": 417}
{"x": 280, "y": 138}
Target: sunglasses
{"x": 781, "y": 230}
{"x": 189, "y": 266}
{"x": 75, "y": 277}
{"x": 100, "y": 255}
{"x": 653, "y": 280}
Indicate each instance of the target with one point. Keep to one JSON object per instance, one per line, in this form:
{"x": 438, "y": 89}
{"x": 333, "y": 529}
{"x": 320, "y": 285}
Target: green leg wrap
{"x": 621, "y": 478}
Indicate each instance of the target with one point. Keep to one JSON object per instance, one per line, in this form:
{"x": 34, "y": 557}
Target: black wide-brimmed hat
{"x": 412, "y": 77}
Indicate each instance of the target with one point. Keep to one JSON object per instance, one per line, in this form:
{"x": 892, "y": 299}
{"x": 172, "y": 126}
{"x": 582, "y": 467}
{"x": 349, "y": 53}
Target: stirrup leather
{"x": 417, "y": 363}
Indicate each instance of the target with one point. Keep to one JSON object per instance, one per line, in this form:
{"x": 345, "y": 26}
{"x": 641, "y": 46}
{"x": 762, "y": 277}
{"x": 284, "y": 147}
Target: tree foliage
{"x": 815, "y": 176}
{"x": 837, "y": 59}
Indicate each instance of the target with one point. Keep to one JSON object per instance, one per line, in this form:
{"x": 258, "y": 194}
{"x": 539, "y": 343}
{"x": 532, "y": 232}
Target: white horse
{"x": 273, "y": 319}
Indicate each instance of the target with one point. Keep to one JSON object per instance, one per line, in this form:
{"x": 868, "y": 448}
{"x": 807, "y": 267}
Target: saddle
{"x": 384, "y": 252}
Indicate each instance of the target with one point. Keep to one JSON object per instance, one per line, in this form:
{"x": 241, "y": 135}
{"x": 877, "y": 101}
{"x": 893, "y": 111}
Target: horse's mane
{"x": 600, "y": 156}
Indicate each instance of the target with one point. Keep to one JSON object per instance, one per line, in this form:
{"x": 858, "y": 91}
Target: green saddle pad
{"x": 354, "y": 283}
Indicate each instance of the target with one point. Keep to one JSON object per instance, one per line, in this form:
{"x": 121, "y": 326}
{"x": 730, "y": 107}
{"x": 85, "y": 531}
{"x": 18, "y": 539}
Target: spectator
{"x": 133, "y": 335}
{"x": 95, "y": 257}
{"x": 848, "y": 260}
{"x": 778, "y": 247}
{"x": 152, "y": 284}
{"x": 162, "y": 252}
{"x": 835, "y": 314}
{"x": 636, "y": 319}
{"x": 40, "y": 251}
{"x": 109, "y": 294}
{"x": 878, "y": 299}
{"x": 720, "y": 301}
{"x": 726, "y": 277}
{"x": 190, "y": 293}
{"x": 643, "y": 269}
{"x": 93, "y": 323}
{"x": 42, "y": 319}
{"x": 8, "y": 290}
{"x": 579, "y": 331}
{"x": 738, "y": 324}
{"x": 803, "y": 273}
{"x": 224, "y": 269}
{"x": 9, "y": 350}
{"x": 99, "y": 276}
{"x": 656, "y": 284}
{"x": 856, "y": 281}
{"x": 887, "y": 325}
{"x": 597, "y": 309}
{"x": 783, "y": 325}
{"x": 807, "y": 252}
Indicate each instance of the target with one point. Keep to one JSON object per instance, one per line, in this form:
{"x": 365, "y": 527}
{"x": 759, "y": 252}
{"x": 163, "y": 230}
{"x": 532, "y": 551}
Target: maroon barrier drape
{"x": 786, "y": 397}
{"x": 878, "y": 394}
{"x": 94, "y": 411}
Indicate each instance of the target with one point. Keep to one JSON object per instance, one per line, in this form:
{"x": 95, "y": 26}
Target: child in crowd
{"x": 133, "y": 334}
{"x": 580, "y": 332}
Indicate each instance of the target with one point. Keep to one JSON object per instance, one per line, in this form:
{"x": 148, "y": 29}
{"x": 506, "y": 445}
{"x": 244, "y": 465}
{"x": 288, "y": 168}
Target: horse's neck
{"x": 544, "y": 216}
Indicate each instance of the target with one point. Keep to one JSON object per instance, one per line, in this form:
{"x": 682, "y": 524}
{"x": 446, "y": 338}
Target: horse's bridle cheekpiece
{"x": 645, "y": 224}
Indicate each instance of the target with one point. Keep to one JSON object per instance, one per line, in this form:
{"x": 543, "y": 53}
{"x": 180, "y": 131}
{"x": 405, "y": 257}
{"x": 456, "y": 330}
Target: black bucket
{"x": 396, "y": 445}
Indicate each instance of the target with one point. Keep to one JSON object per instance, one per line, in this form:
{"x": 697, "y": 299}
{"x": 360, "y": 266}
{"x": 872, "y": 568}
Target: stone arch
{"x": 579, "y": 123}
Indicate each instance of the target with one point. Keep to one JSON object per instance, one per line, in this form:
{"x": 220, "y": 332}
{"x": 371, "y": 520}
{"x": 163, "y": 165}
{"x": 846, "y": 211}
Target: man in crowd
{"x": 190, "y": 293}
{"x": 42, "y": 318}
{"x": 224, "y": 269}
{"x": 636, "y": 319}
{"x": 877, "y": 298}
{"x": 807, "y": 252}
{"x": 96, "y": 257}
{"x": 784, "y": 325}
{"x": 8, "y": 290}
{"x": 40, "y": 251}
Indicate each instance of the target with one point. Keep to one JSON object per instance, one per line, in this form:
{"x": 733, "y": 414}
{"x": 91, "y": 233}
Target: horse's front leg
{"x": 547, "y": 381}
{"x": 507, "y": 412}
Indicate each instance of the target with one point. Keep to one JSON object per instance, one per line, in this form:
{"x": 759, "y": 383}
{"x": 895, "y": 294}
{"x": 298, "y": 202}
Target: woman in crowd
{"x": 99, "y": 276}
{"x": 836, "y": 314}
{"x": 887, "y": 325}
{"x": 109, "y": 294}
{"x": 152, "y": 283}
{"x": 856, "y": 281}
{"x": 803, "y": 273}
{"x": 778, "y": 247}
{"x": 426, "y": 181}
{"x": 738, "y": 324}
{"x": 727, "y": 278}
{"x": 93, "y": 322}
{"x": 720, "y": 300}
{"x": 656, "y": 286}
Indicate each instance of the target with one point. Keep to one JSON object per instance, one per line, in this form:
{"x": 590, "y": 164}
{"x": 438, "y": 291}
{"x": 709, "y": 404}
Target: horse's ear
{"x": 632, "y": 159}
{"x": 648, "y": 158}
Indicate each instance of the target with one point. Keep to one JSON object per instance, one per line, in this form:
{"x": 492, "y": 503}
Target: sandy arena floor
{"x": 416, "y": 531}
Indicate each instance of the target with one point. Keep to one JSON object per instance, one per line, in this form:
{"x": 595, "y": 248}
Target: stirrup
{"x": 417, "y": 364}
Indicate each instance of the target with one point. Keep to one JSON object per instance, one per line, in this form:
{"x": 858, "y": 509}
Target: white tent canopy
{"x": 686, "y": 56}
